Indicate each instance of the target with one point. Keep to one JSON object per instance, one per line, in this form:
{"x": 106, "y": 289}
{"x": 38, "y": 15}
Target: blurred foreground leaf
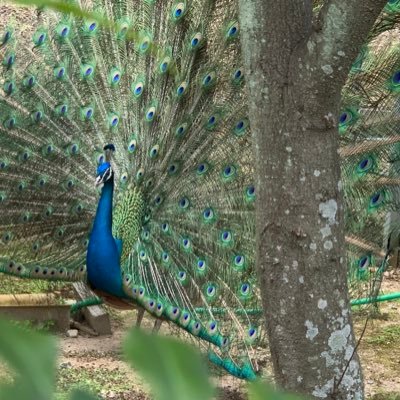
{"x": 32, "y": 356}
{"x": 174, "y": 370}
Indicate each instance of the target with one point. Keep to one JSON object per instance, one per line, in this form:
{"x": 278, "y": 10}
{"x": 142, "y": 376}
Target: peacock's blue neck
{"x": 103, "y": 219}
{"x": 103, "y": 258}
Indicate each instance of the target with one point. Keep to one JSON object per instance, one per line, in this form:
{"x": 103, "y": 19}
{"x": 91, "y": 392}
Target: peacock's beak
{"x": 99, "y": 181}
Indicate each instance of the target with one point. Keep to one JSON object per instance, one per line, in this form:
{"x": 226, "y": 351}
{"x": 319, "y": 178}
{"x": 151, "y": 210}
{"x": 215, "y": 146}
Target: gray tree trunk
{"x": 296, "y": 68}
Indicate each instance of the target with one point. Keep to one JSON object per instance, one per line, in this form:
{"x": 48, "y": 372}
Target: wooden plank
{"x": 96, "y": 316}
{"x": 27, "y": 299}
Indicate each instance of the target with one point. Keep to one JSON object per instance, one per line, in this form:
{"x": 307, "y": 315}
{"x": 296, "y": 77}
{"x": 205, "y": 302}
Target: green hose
{"x": 92, "y": 301}
{"x": 377, "y": 299}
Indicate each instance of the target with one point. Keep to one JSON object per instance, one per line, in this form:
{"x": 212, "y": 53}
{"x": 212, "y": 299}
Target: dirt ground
{"x": 97, "y": 362}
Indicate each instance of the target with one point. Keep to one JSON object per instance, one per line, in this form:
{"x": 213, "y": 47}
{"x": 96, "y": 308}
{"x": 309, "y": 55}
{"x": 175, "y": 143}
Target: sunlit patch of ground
{"x": 96, "y": 363}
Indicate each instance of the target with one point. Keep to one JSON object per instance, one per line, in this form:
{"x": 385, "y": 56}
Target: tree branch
{"x": 344, "y": 26}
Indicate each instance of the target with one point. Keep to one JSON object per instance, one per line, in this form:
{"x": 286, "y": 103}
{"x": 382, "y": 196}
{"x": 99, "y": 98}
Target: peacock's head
{"x": 104, "y": 170}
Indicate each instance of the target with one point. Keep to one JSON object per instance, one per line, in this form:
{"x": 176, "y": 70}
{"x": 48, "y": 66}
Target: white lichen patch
{"x": 312, "y": 330}
{"x": 328, "y": 70}
{"x": 322, "y": 391}
{"x": 313, "y": 246}
{"x": 338, "y": 339}
{"x": 322, "y": 304}
{"x": 328, "y": 210}
{"x": 301, "y": 279}
{"x": 326, "y": 231}
{"x": 328, "y": 245}
{"x": 317, "y": 173}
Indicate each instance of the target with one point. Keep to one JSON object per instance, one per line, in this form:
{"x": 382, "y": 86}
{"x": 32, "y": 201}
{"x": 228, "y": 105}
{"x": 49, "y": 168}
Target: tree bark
{"x": 296, "y": 68}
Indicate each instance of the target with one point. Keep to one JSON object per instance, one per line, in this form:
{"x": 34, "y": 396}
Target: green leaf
{"x": 32, "y": 356}
{"x": 174, "y": 370}
{"x": 262, "y": 391}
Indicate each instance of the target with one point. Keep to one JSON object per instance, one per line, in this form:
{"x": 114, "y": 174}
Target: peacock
{"x": 126, "y": 162}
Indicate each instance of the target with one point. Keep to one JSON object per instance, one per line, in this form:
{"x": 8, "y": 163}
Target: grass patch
{"x": 386, "y": 396}
{"x": 92, "y": 380}
{"x": 388, "y": 336}
{"x": 15, "y": 285}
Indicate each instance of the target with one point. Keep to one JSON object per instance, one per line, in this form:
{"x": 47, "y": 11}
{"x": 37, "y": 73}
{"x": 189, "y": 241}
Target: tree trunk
{"x": 296, "y": 69}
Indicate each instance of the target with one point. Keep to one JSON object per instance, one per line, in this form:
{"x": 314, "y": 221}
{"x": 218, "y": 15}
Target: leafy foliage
{"x": 174, "y": 370}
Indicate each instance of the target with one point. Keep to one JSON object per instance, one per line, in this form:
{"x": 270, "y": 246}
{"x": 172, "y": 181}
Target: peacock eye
{"x": 140, "y": 173}
{"x": 202, "y": 168}
{"x": 201, "y": 265}
{"x": 212, "y": 327}
{"x": 184, "y": 203}
{"x": 64, "y": 32}
{"x": 226, "y": 238}
{"x": 182, "y": 275}
{"x": 232, "y": 30}
{"x": 229, "y": 173}
{"x": 124, "y": 177}
{"x": 114, "y": 77}
{"x": 132, "y": 146}
{"x": 240, "y": 127}
{"x": 144, "y": 45}
{"x": 364, "y": 262}
{"x": 181, "y": 130}
{"x": 239, "y": 260}
{"x": 9, "y": 87}
{"x": 9, "y": 60}
{"x": 154, "y": 151}
{"x": 59, "y": 72}
{"x": 196, "y": 40}
{"x": 137, "y": 89}
{"x": 186, "y": 243}
{"x": 39, "y": 38}
{"x": 208, "y": 214}
{"x": 6, "y": 37}
{"x": 114, "y": 121}
{"x": 377, "y": 199}
{"x": 178, "y": 11}
{"x": 37, "y": 116}
{"x": 10, "y": 123}
{"x": 212, "y": 121}
{"x": 245, "y": 288}
{"x": 164, "y": 65}
{"x": 237, "y": 74}
{"x": 396, "y": 78}
{"x": 181, "y": 89}
{"x": 92, "y": 26}
{"x": 150, "y": 114}
{"x": 208, "y": 80}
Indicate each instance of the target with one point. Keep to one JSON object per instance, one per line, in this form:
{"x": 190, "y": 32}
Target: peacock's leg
{"x": 139, "y": 317}
{"x": 157, "y": 325}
